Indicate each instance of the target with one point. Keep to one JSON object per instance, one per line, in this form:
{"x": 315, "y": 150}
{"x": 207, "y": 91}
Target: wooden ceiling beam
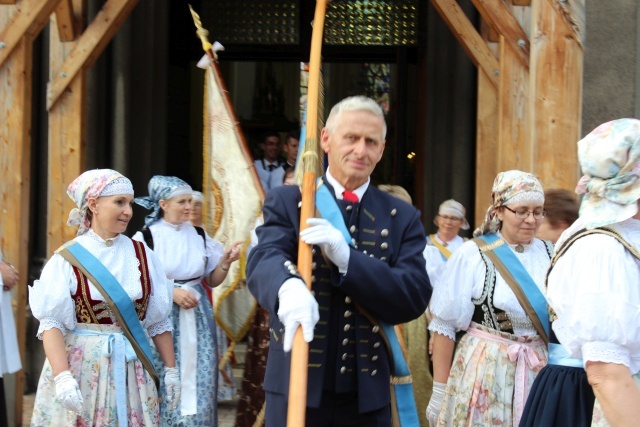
{"x": 30, "y": 19}
{"x": 498, "y": 15}
{"x": 89, "y": 46}
{"x": 65, "y": 21}
{"x": 471, "y": 41}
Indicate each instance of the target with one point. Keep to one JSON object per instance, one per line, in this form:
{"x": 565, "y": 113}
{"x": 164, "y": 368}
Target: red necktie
{"x": 350, "y": 196}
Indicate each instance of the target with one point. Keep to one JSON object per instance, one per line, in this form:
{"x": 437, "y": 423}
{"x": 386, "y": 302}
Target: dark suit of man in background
{"x": 384, "y": 273}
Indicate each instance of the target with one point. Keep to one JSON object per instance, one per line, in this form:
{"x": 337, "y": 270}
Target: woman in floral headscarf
{"x": 593, "y": 289}
{"x": 496, "y": 361}
{"x": 92, "y": 376}
{"x": 188, "y": 255}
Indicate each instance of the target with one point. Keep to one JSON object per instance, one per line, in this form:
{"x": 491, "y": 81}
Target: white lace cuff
{"x": 50, "y": 323}
{"x": 160, "y": 327}
{"x": 601, "y": 351}
{"x": 440, "y": 326}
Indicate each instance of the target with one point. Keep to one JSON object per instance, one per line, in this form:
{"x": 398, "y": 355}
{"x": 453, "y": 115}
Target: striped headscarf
{"x": 161, "y": 188}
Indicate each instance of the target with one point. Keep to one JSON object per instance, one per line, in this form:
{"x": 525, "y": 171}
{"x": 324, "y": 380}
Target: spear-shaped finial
{"x": 202, "y": 33}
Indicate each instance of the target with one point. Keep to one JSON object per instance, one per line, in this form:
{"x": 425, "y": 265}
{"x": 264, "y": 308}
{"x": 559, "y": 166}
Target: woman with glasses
{"x": 445, "y": 241}
{"x": 491, "y": 288}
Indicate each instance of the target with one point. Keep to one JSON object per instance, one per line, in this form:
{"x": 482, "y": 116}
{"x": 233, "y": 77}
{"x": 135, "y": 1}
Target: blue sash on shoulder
{"x": 125, "y": 312}
{"x": 401, "y": 377}
{"x": 514, "y": 266}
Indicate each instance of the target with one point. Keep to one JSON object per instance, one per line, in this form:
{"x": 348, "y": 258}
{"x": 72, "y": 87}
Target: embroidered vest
{"x": 89, "y": 310}
{"x": 485, "y": 313}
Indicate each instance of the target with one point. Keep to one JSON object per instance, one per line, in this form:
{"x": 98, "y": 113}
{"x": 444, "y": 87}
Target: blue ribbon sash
{"x": 404, "y": 400}
{"x": 125, "y": 311}
{"x": 514, "y": 266}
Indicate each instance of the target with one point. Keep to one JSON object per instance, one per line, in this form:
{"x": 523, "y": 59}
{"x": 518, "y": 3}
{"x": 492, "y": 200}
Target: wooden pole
{"x": 300, "y": 351}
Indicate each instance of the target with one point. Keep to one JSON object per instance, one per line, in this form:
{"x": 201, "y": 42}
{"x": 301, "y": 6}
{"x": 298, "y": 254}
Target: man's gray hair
{"x": 355, "y": 103}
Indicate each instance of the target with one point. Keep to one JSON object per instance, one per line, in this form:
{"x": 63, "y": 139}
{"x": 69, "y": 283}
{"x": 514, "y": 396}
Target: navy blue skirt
{"x": 560, "y": 396}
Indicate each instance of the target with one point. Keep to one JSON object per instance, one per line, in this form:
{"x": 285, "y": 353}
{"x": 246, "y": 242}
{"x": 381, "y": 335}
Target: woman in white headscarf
{"x": 593, "y": 288}
{"x": 498, "y": 357}
{"x": 188, "y": 255}
{"x": 94, "y": 373}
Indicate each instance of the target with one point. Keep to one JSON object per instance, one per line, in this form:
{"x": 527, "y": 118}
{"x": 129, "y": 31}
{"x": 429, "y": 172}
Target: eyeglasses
{"x": 524, "y": 213}
{"x": 450, "y": 218}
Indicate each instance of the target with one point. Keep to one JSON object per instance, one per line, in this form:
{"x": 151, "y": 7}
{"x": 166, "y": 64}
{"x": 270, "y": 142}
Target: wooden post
{"x": 67, "y": 130}
{"x": 15, "y": 170}
{"x": 556, "y": 87}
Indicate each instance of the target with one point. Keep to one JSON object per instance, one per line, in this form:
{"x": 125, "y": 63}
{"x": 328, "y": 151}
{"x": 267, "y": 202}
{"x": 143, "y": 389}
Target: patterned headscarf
{"x": 610, "y": 161}
{"x": 91, "y": 185}
{"x": 510, "y": 187}
{"x": 161, "y": 188}
{"x": 451, "y": 207}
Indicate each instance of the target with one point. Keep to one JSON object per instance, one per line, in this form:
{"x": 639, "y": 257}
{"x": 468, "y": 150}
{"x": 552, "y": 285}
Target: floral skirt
{"x": 490, "y": 378}
{"x": 94, "y": 373}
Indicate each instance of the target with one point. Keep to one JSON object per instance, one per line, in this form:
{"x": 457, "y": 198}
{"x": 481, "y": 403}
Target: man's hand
{"x": 297, "y": 307}
{"x": 68, "y": 392}
{"x": 172, "y": 388}
{"x": 330, "y": 239}
{"x": 9, "y": 275}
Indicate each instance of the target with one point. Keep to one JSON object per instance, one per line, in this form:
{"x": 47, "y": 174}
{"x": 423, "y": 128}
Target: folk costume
{"x": 114, "y": 384}
{"x": 497, "y": 359}
{"x": 187, "y": 255}
{"x": 348, "y": 362}
{"x": 9, "y": 353}
{"x": 592, "y": 287}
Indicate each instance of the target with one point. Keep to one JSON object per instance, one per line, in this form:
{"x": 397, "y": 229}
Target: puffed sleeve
{"x": 451, "y": 304}
{"x": 50, "y": 297}
{"x": 157, "y": 319}
{"x": 594, "y": 290}
{"x": 215, "y": 250}
{"x": 435, "y": 264}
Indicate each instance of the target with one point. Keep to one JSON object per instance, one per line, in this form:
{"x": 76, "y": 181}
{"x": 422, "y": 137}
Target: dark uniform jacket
{"x": 386, "y": 275}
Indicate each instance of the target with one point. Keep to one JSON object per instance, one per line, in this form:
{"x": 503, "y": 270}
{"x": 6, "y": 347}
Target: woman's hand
{"x": 231, "y": 254}
{"x": 184, "y": 298}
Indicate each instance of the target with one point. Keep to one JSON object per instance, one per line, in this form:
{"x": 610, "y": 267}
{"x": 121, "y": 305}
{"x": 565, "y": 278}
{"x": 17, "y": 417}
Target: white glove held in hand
{"x": 68, "y": 391}
{"x": 297, "y": 307}
{"x": 172, "y": 386}
{"x": 433, "y": 410}
{"x": 330, "y": 239}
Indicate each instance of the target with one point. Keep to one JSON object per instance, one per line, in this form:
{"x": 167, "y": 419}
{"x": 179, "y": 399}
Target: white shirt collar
{"x": 338, "y": 188}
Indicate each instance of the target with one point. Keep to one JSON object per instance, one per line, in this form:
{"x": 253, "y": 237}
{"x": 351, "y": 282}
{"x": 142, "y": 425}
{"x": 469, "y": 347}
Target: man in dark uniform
{"x": 383, "y": 273}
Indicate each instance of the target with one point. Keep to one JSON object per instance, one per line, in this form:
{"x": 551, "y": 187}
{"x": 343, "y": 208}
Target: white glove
{"x": 433, "y": 410}
{"x": 68, "y": 391}
{"x": 172, "y": 386}
{"x": 330, "y": 239}
{"x": 297, "y": 307}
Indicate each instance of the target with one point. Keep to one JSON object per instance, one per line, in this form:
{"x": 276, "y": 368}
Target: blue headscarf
{"x": 161, "y": 188}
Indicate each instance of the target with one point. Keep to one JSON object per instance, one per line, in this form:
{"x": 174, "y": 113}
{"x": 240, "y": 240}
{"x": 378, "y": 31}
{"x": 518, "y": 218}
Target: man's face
{"x": 354, "y": 147}
{"x": 291, "y": 148}
{"x": 271, "y": 148}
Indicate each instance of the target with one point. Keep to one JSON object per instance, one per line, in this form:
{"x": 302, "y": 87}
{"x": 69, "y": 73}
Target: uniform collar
{"x": 338, "y": 188}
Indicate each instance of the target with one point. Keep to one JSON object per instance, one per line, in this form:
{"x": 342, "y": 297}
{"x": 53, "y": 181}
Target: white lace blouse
{"x": 463, "y": 281}
{"x": 594, "y": 289}
{"x": 435, "y": 262}
{"x": 50, "y": 298}
{"x": 182, "y": 251}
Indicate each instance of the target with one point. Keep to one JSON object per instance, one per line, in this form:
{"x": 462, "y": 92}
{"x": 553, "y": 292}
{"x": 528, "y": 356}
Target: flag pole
{"x": 311, "y": 159}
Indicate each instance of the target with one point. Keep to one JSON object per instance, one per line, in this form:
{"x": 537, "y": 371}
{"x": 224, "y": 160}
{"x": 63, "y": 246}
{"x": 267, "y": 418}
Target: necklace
{"x": 519, "y": 248}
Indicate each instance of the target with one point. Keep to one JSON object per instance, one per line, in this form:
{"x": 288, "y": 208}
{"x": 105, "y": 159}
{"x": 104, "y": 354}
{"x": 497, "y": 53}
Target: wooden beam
{"x": 556, "y": 81}
{"x": 89, "y": 46}
{"x": 67, "y": 138}
{"x": 65, "y": 20}
{"x": 515, "y": 149}
{"x": 486, "y": 144}
{"x": 471, "y": 42}
{"x": 574, "y": 14}
{"x": 31, "y": 17}
{"x": 521, "y": 2}
{"x": 498, "y": 15}
{"x": 15, "y": 175}
{"x": 8, "y": 1}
